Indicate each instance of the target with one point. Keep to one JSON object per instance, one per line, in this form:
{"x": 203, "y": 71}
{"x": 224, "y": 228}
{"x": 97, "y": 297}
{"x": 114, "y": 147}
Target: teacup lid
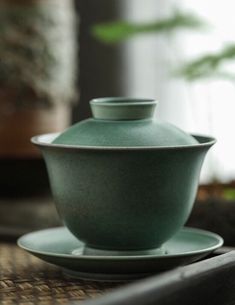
{"x": 124, "y": 122}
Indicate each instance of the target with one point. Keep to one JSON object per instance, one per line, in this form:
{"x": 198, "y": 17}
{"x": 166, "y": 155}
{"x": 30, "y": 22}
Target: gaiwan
{"x": 123, "y": 182}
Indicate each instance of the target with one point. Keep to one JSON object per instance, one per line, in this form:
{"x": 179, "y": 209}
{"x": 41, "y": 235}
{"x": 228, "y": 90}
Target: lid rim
{"x": 36, "y": 141}
{"x": 122, "y": 101}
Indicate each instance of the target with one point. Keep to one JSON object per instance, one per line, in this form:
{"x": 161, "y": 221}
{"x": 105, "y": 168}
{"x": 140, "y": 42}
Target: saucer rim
{"x": 210, "y": 234}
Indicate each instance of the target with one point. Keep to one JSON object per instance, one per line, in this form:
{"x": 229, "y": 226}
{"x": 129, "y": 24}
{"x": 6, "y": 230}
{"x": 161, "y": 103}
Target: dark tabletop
{"x": 27, "y": 280}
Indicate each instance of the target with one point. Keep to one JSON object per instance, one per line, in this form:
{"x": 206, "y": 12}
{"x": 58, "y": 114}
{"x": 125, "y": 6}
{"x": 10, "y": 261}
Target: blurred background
{"x": 56, "y": 55}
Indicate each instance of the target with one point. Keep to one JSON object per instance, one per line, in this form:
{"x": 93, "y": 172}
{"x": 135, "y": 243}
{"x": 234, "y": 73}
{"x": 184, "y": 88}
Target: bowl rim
{"x": 206, "y": 141}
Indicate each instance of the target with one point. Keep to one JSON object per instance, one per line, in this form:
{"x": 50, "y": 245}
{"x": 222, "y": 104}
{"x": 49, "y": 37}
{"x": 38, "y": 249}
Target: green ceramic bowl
{"x": 122, "y": 197}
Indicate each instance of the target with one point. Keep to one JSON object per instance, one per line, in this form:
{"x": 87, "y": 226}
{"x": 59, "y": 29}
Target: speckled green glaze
{"x": 124, "y": 197}
{"x": 57, "y": 246}
{"x": 123, "y": 123}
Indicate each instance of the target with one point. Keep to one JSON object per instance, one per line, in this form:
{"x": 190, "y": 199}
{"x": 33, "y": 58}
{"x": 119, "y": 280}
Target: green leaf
{"x": 115, "y": 32}
{"x": 229, "y": 194}
{"x": 209, "y": 65}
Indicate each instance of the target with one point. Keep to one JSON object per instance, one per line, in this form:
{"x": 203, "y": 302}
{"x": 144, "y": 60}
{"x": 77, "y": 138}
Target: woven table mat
{"x": 26, "y": 280}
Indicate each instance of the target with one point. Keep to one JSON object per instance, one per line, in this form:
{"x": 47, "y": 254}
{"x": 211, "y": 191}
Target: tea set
{"x": 124, "y": 184}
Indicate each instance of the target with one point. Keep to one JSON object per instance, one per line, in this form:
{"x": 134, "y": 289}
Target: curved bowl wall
{"x": 124, "y": 199}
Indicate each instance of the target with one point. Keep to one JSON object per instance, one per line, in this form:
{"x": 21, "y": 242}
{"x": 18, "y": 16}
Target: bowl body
{"x": 124, "y": 198}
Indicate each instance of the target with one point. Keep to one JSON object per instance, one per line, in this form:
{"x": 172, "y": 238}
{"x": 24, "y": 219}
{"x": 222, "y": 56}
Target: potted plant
{"x": 37, "y": 84}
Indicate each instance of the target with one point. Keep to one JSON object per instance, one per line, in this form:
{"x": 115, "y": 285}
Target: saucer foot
{"x": 100, "y": 252}
{"x": 104, "y": 277}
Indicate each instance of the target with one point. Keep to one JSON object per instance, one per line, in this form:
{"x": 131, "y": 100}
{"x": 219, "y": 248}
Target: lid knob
{"x": 121, "y": 108}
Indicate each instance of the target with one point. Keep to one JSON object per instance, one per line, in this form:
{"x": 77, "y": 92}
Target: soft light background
{"x": 203, "y": 107}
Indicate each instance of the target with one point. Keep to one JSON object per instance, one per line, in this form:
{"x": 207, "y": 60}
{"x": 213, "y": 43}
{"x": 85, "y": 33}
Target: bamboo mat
{"x": 26, "y": 280}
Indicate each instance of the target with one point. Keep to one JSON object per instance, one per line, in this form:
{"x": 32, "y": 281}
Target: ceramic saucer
{"x": 57, "y": 246}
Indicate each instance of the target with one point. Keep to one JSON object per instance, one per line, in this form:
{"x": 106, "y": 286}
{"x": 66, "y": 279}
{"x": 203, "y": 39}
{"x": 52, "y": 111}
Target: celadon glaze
{"x": 123, "y": 123}
{"x": 124, "y": 197}
{"x": 57, "y": 246}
